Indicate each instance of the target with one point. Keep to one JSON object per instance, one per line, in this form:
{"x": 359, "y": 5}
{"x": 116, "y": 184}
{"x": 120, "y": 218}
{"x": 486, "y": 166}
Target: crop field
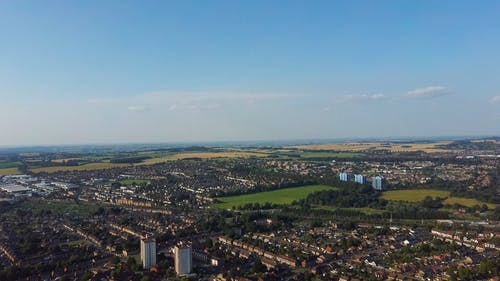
{"x": 62, "y": 160}
{"x": 467, "y": 202}
{"x": 86, "y": 167}
{"x": 326, "y": 154}
{"x": 413, "y": 195}
{"x": 393, "y": 147}
{"x": 9, "y": 171}
{"x": 227, "y": 154}
{"x": 281, "y": 196}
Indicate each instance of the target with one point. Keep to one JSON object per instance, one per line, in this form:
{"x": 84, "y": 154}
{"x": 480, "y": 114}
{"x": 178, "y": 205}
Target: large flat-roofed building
{"x": 183, "y": 259}
{"x": 16, "y": 189}
{"x": 148, "y": 252}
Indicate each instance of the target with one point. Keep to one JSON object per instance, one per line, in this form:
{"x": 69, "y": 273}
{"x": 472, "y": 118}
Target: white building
{"x": 148, "y": 252}
{"x": 183, "y": 259}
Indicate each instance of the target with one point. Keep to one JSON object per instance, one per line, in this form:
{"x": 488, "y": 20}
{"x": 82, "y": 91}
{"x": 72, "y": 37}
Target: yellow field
{"x": 157, "y": 160}
{"x": 9, "y": 171}
{"x": 206, "y": 155}
{"x": 66, "y": 160}
{"x": 413, "y": 195}
{"x": 493, "y": 141}
{"x": 86, "y": 167}
{"x": 393, "y": 147}
{"x": 152, "y": 161}
{"x": 467, "y": 202}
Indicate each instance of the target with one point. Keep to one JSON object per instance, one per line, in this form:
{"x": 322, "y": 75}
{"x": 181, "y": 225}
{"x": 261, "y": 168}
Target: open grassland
{"x": 86, "y": 167}
{"x": 9, "y": 171}
{"x": 63, "y": 207}
{"x": 105, "y": 164}
{"x": 202, "y": 155}
{"x": 280, "y": 196}
{"x": 326, "y": 154}
{"x": 467, "y": 202}
{"x": 133, "y": 181}
{"x": 225, "y": 154}
{"x": 67, "y": 159}
{"x": 416, "y": 195}
{"x": 413, "y": 195}
{"x": 156, "y": 160}
{"x": 364, "y": 210}
{"x": 364, "y": 146}
{"x": 5, "y": 165}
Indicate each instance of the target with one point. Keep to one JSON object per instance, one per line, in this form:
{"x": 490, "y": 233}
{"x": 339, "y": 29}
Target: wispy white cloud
{"x": 137, "y": 108}
{"x": 428, "y": 92}
{"x": 363, "y": 98}
{"x": 495, "y": 99}
{"x": 190, "y": 100}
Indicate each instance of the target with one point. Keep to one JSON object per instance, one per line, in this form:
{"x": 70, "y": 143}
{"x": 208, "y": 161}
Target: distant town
{"x": 365, "y": 210}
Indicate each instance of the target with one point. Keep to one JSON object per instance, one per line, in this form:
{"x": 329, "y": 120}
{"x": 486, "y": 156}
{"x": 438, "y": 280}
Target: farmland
{"x": 9, "y": 171}
{"x": 467, "y": 202}
{"x": 280, "y": 196}
{"x": 413, "y": 195}
{"x": 86, "y": 167}
{"x": 431, "y": 147}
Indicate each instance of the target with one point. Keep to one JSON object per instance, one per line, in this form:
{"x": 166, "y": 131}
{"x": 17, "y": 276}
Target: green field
{"x": 364, "y": 210}
{"x": 320, "y": 154}
{"x": 280, "y": 196}
{"x": 133, "y": 181}
{"x": 467, "y": 202}
{"x": 416, "y": 195}
{"x": 413, "y": 195}
{"x": 6, "y": 165}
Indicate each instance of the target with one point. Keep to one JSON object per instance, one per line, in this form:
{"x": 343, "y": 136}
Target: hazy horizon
{"x": 95, "y": 72}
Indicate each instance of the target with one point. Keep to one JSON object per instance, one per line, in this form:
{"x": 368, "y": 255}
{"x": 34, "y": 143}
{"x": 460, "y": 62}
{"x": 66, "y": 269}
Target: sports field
{"x": 281, "y": 196}
{"x": 413, "y": 195}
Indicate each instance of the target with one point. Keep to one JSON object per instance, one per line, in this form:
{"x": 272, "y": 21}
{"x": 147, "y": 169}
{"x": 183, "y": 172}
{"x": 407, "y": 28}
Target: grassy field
{"x": 63, "y": 207}
{"x": 362, "y": 146}
{"x": 9, "y": 171}
{"x": 225, "y": 154}
{"x": 86, "y": 167}
{"x": 201, "y": 155}
{"x": 62, "y": 160}
{"x": 326, "y": 154}
{"x": 413, "y": 195}
{"x": 280, "y": 196}
{"x": 364, "y": 210}
{"x": 133, "y": 181}
{"x": 5, "y": 165}
{"x": 467, "y": 202}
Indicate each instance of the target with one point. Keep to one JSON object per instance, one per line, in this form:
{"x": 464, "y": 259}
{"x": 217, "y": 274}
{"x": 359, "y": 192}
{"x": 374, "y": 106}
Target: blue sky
{"x": 168, "y": 71}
